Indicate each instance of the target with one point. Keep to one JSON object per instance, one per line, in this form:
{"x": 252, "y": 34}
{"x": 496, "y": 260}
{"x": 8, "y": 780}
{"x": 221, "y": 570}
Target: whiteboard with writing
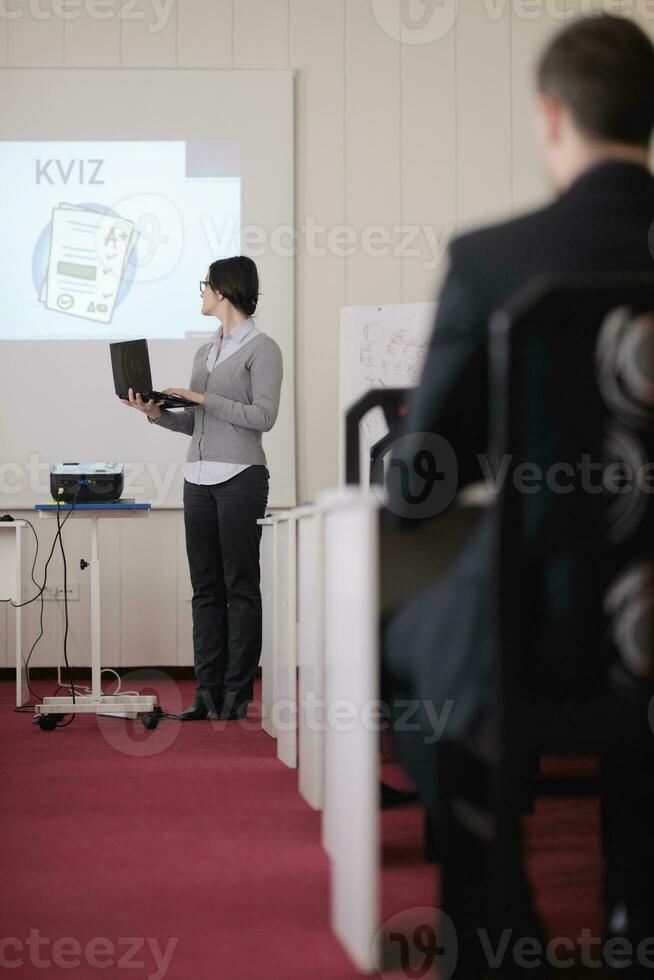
{"x": 381, "y": 347}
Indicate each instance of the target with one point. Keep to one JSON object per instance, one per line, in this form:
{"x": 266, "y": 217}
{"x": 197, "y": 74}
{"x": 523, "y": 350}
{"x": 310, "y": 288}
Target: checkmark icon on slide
{"x": 107, "y": 295}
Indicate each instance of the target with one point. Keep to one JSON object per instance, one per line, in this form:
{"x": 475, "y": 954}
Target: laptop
{"x": 130, "y": 362}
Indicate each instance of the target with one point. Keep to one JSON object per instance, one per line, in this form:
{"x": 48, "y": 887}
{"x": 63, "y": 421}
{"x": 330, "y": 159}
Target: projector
{"x": 87, "y": 483}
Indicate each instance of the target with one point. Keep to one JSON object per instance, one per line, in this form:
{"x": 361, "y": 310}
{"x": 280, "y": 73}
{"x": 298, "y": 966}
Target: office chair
{"x": 392, "y": 401}
{"x": 572, "y": 399}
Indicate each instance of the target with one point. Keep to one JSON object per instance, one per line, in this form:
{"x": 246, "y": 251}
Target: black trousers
{"x": 222, "y": 544}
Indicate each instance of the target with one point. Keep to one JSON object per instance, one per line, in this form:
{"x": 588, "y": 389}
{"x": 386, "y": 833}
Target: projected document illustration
{"x": 89, "y": 253}
{"x": 109, "y": 238}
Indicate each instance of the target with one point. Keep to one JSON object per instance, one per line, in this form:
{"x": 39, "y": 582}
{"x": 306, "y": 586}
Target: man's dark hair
{"x": 602, "y": 69}
{"x": 238, "y": 281}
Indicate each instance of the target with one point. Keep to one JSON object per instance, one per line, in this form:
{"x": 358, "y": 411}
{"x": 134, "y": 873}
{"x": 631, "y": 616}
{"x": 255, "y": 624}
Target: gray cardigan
{"x": 241, "y": 400}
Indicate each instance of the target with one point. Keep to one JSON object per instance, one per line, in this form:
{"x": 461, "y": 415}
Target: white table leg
{"x": 268, "y": 645}
{"x": 351, "y": 805}
{"x": 311, "y": 657}
{"x": 22, "y": 691}
{"x": 96, "y": 655}
{"x": 285, "y": 706}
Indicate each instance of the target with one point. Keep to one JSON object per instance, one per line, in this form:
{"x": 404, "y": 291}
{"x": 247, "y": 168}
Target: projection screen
{"x": 119, "y": 189}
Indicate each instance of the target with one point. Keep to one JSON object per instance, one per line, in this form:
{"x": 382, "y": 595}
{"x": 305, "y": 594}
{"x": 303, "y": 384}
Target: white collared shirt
{"x": 206, "y": 472}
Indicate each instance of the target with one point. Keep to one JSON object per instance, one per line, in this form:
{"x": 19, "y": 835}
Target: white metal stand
{"x": 311, "y": 652}
{"x": 127, "y": 705}
{"x": 12, "y": 558}
{"x": 269, "y": 597}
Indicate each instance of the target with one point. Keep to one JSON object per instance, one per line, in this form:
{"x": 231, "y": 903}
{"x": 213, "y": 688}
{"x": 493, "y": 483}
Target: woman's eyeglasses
{"x": 203, "y": 284}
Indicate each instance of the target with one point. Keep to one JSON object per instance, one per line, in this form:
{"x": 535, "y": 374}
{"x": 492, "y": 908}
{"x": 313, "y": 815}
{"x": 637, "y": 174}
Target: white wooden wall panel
{"x": 261, "y": 33}
{"x": 317, "y": 55}
{"x": 49, "y": 651}
{"x": 148, "y": 39}
{"x": 111, "y": 558}
{"x": 204, "y": 34}
{"x": 76, "y": 537}
{"x": 528, "y": 39}
{"x": 574, "y": 8}
{"x": 643, "y": 15}
{"x": 372, "y": 146}
{"x": 428, "y": 162}
{"x": 35, "y": 41}
{"x": 31, "y": 612}
{"x": 3, "y": 42}
{"x": 184, "y": 594}
{"x": 483, "y": 94}
{"x": 148, "y": 584}
{"x": 92, "y": 42}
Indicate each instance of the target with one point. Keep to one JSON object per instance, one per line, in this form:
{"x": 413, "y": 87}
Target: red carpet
{"x": 198, "y": 835}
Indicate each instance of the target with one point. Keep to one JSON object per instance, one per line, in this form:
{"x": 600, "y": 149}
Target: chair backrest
{"x": 392, "y": 402}
{"x": 572, "y": 440}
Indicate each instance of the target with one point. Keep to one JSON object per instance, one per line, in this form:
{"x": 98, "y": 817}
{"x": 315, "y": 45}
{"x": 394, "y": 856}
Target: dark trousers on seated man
{"x": 439, "y": 682}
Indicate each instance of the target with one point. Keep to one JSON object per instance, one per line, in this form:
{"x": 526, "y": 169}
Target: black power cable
{"x": 39, "y": 595}
{"x": 17, "y": 606}
{"x": 63, "y": 558}
{"x": 57, "y": 538}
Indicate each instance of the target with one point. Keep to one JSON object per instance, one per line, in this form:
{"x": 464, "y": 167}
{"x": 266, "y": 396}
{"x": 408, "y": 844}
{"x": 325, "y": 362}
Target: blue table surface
{"x": 119, "y": 505}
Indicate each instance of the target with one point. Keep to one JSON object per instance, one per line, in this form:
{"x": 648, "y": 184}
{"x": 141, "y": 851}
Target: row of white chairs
{"x": 319, "y": 583}
{"x": 329, "y": 571}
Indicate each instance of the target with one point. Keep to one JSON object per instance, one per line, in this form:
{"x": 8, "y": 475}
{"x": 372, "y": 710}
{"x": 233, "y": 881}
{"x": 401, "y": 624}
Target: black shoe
{"x": 392, "y": 797}
{"x": 203, "y": 706}
{"x": 231, "y": 711}
{"x": 197, "y": 712}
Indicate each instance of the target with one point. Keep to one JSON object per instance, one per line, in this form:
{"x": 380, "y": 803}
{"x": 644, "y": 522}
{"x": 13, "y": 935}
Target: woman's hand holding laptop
{"x": 150, "y": 408}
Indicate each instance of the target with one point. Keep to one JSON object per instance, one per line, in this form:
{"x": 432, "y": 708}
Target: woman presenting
{"x": 235, "y": 383}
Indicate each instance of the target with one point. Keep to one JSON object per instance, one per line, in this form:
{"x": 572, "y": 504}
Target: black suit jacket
{"x": 604, "y": 222}
{"x": 437, "y": 646}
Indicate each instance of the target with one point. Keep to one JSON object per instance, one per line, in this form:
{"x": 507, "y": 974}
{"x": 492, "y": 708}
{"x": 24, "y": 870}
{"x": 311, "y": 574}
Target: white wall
{"x": 387, "y": 133}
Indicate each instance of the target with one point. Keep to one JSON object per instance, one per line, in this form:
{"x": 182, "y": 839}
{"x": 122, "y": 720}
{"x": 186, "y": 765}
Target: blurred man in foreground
{"x": 595, "y": 115}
